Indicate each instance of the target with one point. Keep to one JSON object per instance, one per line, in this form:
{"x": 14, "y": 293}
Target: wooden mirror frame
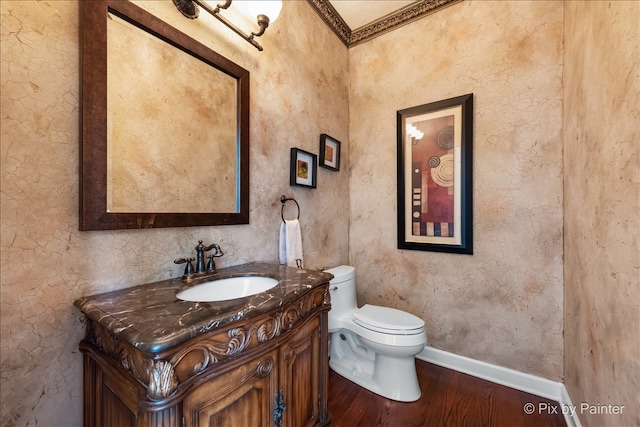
{"x": 93, "y": 152}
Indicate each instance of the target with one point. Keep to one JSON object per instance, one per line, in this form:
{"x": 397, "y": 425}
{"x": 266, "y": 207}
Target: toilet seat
{"x": 388, "y": 320}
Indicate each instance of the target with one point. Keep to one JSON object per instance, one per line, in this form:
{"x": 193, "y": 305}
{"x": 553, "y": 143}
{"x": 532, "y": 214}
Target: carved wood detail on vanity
{"x": 162, "y": 377}
{"x": 247, "y": 350}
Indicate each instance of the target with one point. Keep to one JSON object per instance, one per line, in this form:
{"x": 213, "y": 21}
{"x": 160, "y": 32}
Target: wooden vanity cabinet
{"x": 242, "y": 396}
{"x": 249, "y": 394}
{"x": 270, "y": 370}
{"x": 306, "y": 397}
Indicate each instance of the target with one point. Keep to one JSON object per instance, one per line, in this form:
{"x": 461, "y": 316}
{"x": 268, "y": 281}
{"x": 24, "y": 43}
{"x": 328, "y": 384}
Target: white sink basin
{"x": 226, "y": 289}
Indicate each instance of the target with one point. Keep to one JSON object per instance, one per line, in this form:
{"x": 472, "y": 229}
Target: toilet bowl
{"x": 373, "y": 346}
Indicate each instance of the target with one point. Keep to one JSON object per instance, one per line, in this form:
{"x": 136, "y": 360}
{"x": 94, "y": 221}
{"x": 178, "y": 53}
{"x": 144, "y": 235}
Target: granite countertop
{"x": 151, "y": 318}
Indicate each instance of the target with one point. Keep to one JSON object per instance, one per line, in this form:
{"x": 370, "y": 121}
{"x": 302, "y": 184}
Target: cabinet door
{"x": 301, "y": 367}
{"x": 240, "y": 397}
{"x": 110, "y": 399}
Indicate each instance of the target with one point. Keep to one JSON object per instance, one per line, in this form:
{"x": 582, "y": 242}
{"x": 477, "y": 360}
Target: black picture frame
{"x": 304, "y": 168}
{"x": 435, "y": 176}
{"x": 329, "y": 152}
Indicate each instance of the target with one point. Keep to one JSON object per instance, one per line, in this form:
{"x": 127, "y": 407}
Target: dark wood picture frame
{"x": 329, "y": 152}
{"x": 435, "y": 176}
{"x": 304, "y": 168}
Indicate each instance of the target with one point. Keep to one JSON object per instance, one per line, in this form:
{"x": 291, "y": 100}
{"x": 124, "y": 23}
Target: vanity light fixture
{"x": 265, "y": 11}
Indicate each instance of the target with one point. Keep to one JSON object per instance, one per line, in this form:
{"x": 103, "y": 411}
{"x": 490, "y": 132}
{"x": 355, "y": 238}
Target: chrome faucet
{"x": 200, "y": 266}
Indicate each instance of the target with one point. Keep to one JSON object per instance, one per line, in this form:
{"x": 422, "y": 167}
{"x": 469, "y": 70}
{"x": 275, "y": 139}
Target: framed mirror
{"x": 165, "y": 125}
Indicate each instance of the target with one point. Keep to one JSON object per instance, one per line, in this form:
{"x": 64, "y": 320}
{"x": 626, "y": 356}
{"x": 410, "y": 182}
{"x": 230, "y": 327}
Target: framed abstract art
{"x": 435, "y": 198}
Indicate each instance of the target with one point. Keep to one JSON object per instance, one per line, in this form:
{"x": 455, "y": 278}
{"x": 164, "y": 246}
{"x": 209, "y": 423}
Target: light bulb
{"x": 271, "y": 8}
{"x": 414, "y": 132}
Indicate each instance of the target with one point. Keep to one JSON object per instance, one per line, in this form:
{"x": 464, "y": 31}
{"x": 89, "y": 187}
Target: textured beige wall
{"x": 502, "y": 305}
{"x": 298, "y": 91}
{"x": 602, "y": 208}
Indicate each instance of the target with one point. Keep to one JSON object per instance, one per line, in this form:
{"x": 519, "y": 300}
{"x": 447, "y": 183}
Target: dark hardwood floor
{"x": 449, "y": 398}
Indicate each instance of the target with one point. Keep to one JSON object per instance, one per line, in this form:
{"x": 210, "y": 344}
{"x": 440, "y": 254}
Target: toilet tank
{"x": 342, "y": 289}
{"x": 342, "y": 273}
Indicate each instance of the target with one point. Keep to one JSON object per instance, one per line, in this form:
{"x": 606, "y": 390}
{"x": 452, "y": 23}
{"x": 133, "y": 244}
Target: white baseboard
{"x": 571, "y": 417}
{"x": 527, "y": 383}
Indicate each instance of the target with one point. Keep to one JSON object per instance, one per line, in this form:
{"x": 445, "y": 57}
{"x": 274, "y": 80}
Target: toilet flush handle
{"x": 333, "y": 288}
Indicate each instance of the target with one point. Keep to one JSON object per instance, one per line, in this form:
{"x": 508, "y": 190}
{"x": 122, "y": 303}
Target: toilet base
{"x": 392, "y": 377}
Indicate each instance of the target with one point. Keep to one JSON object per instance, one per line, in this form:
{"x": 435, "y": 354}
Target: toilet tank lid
{"x": 341, "y": 273}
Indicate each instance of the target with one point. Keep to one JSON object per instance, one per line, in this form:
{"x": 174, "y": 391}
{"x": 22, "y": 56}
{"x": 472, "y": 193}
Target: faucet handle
{"x": 188, "y": 269}
{"x": 211, "y": 265}
{"x": 218, "y": 253}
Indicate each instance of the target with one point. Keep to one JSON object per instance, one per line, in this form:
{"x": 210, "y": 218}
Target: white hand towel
{"x": 290, "y": 248}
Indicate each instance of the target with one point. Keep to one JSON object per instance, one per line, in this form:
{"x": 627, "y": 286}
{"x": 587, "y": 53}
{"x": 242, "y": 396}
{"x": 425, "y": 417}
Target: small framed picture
{"x": 329, "y": 152}
{"x": 303, "y": 168}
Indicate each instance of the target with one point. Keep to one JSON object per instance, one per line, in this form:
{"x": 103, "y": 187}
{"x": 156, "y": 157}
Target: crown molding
{"x": 385, "y": 24}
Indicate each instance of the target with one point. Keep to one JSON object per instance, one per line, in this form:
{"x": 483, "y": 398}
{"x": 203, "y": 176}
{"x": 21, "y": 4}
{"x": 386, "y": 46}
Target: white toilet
{"x": 375, "y": 347}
